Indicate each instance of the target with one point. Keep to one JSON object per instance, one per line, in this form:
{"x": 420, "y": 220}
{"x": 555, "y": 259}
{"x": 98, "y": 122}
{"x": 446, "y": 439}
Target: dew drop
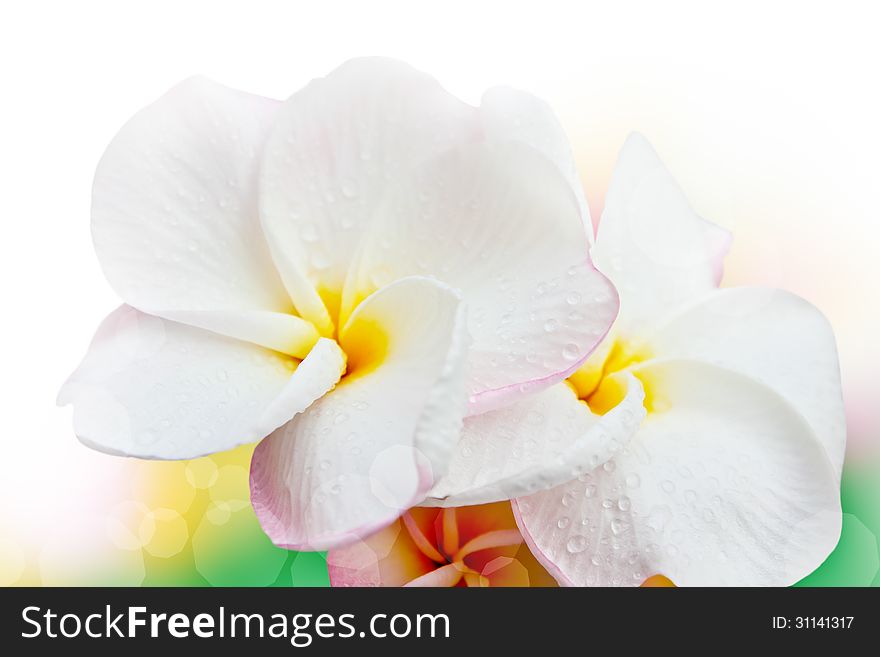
{"x": 576, "y": 544}
{"x": 618, "y": 526}
{"x": 308, "y": 233}
{"x": 571, "y": 351}
{"x": 320, "y": 260}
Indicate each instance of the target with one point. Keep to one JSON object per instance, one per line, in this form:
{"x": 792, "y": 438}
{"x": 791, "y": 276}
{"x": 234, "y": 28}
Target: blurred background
{"x": 766, "y": 113}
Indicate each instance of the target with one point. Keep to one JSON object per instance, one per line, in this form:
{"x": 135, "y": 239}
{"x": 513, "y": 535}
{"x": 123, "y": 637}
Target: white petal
{"x": 729, "y": 486}
{"x": 370, "y": 449}
{"x": 652, "y": 245}
{"x": 538, "y": 443}
{"x": 337, "y": 145}
{"x": 174, "y": 215}
{"x": 510, "y": 114}
{"x": 282, "y": 332}
{"x": 776, "y": 338}
{"x": 153, "y": 388}
{"x": 500, "y": 223}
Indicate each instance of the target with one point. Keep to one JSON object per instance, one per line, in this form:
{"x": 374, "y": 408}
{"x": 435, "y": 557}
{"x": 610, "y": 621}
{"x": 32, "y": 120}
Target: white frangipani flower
{"x": 372, "y": 256}
{"x": 703, "y": 440}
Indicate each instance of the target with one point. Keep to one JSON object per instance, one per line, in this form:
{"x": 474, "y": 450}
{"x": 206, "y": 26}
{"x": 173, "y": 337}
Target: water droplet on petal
{"x": 308, "y": 233}
{"x": 576, "y": 544}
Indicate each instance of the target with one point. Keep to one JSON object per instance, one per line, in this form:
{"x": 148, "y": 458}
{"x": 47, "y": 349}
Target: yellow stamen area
{"x": 595, "y": 382}
{"x": 332, "y": 300}
{"x": 607, "y": 395}
{"x": 366, "y": 344}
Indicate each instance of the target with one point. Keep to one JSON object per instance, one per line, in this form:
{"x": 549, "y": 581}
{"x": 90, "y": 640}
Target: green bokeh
{"x": 855, "y": 560}
{"x": 237, "y": 552}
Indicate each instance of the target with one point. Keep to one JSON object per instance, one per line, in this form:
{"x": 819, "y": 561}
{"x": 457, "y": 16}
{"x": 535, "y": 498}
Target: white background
{"x": 767, "y": 113}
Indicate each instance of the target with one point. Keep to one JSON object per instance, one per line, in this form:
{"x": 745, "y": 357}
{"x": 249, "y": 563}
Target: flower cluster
{"x": 401, "y": 296}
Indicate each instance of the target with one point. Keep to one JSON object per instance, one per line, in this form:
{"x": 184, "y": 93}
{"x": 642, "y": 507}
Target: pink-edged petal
{"x": 499, "y": 222}
{"x": 538, "y": 443}
{"x": 371, "y": 448}
{"x": 175, "y": 221}
{"x": 337, "y": 146}
{"x": 656, "y": 250}
{"x": 153, "y": 388}
{"x": 774, "y": 337}
{"x": 511, "y": 114}
{"x": 724, "y": 484}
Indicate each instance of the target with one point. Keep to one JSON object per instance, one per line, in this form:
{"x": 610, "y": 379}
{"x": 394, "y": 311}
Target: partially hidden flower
{"x": 349, "y": 273}
{"x": 702, "y": 441}
{"x": 476, "y": 546}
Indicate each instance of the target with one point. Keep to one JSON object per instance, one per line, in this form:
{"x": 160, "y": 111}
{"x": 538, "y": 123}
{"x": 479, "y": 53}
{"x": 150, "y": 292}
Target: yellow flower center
{"x": 595, "y": 383}
{"x": 365, "y": 344}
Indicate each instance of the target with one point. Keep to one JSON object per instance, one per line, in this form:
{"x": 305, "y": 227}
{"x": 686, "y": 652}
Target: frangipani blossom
{"x": 349, "y": 273}
{"x": 702, "y": 441}
{"x": 467, "y": 546}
